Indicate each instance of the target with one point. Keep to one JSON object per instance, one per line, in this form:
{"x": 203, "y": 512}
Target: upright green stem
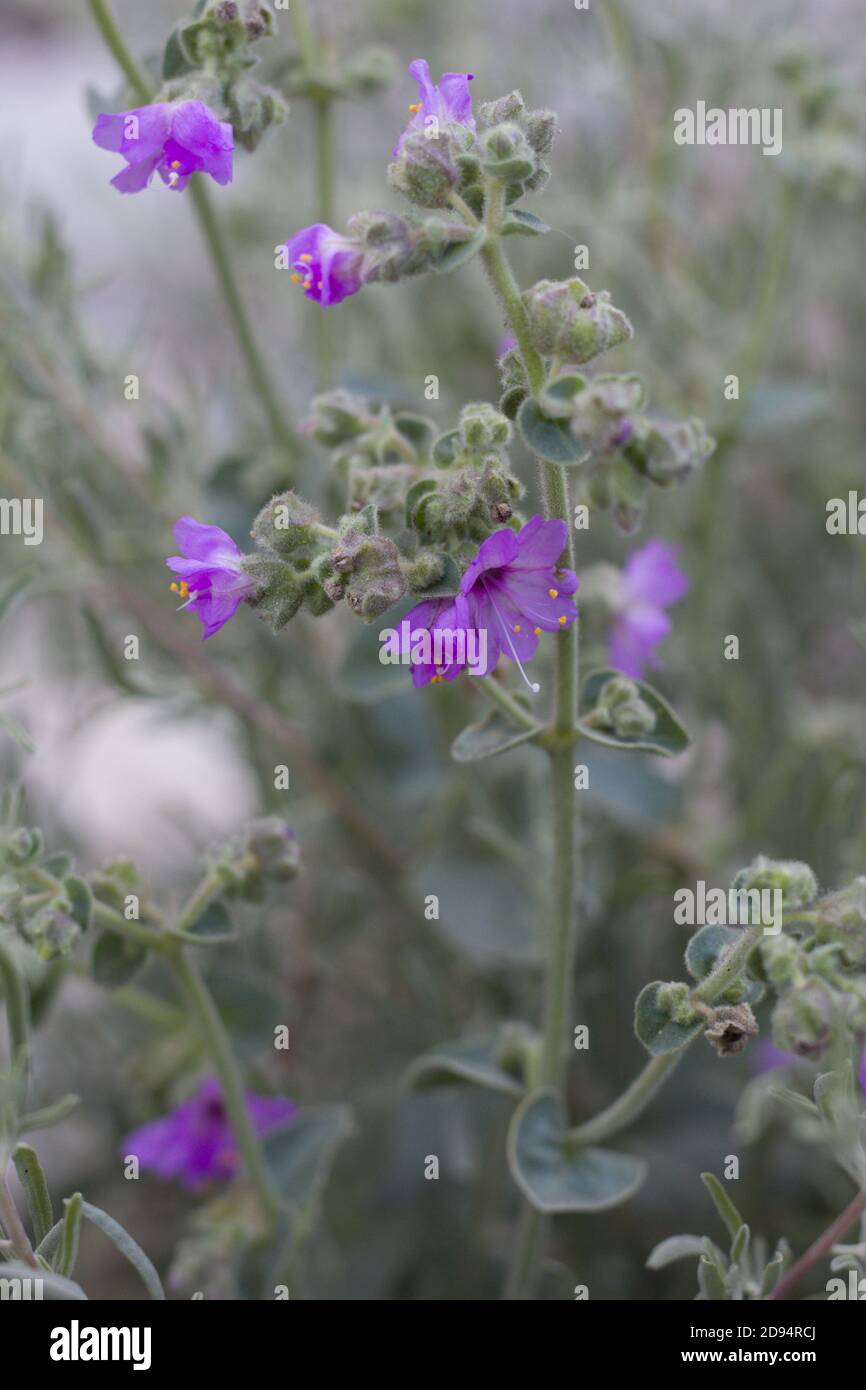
{"x": 220, "y": 1051}
{"x": 256, "y": 368}
{"x": 14, "y": 993}
{"x": 560, "y": 738}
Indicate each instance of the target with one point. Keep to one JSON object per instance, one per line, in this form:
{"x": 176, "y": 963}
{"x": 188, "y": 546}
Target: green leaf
{"x": 712, "y": 1285}
{"x": 474, "y": 1062}
{"x": 422, "y": 488}
{"x": 522, "y": 223}
{"x": 704, "y": 950}
{"x": 554, "y": 1174}
{"x": 80, "y": 900}
{"x": 177, "y": 60}
{"x": 668, "y": 738}
{"x": 300, "y": 1155}
{"x": 128, "y": 1247}
{"x": 446, "y": 586}
{"x": 548, "y": 439}
{"x": 675, "y": 1248}
{"x": 445, "y": 448}
{"x": 69, "y": 1234}
{"x": 493, "y": 734}
{"x": 654, "y": 1026}
{"x": 214, "y": 924}
{"x": 115, "y": 959}
{"x": 723, "y": 1204}
{"x": 54, "y": 1287}
{"x": 557, "y": 398}
{"x": 459, "y": 252}
{"x": 740, "y": 1247}
{"x": 419, "y": 431}
{"x": 32, "y": 1179}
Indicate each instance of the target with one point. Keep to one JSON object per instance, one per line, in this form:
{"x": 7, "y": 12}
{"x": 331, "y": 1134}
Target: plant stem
{"x": 821, "y": 1247}
{"x": 638, "y": 1095}
{"x": 15, "y": 995}
{"x": 505, "y": 701}
{"x": 562, "y": 735}
{"x": 225, "y": 1065}
{"x": 215, "y": 241}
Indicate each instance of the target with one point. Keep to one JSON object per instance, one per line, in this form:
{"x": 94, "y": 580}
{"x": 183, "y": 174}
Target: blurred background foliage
{"x": 726, "y": 261}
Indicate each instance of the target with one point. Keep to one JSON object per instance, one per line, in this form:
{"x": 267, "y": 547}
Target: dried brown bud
{"x": 730, "y": 1027}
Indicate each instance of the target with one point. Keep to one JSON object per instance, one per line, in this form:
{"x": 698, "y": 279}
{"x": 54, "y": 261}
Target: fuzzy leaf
{"x": 522, "y": 223}
{"x": 476, "y": 1062}
{"x": 557, "y": 1176}
{"x": 493, "y": 734}
{"x": 115, "y": 959}
{"x": 667, "y": 739}
{"x": 655, "y": 1028}
{"x": 128, "y": 1247}
{"x": 723, "y": 1204}
{"x": 550, "y": 440}
{"x": 674, "y": 1248}
{"x": 32, "y": 1179}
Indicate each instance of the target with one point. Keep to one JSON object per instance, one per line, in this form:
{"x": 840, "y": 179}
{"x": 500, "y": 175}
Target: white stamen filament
{"x": 534, "y": 687}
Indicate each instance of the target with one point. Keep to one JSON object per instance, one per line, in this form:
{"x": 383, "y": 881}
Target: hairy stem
{"x": 225, "y": 1065}
{"x": 562, "y": 735}
{"x": 214, "y": 239}
{"x": 12, "y": 1224}
{"x": 636, "y": 1097}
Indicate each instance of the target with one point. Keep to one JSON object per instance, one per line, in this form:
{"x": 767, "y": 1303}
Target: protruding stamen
{"x": 553, "y": 593}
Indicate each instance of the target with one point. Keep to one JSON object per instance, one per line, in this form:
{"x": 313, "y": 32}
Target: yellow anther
{"x": 305, "y": 257}
{"x": 537, "y": 631}
{"x": 563, "y": 620}
{"x": 182, "y": 588}
{"x": 415, "y": 108}
{"x": 517, "y": 627}
{"x": 296, "y": 279}
{"x": 554, "y": 593}
{"x": 175, "y": 164}
{"x": 435, "y": 679}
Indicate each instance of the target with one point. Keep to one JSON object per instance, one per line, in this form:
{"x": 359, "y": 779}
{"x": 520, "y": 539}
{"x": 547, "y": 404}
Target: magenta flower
{"x": 195, "y": 1142}
{"x": 515, "y": 589}
{"x": 209, "y": 573}
{"x": 434, "y": 615}
{"x": 651, "y": 581}
{"x": 512, "y": 592}
{"x": 326, "y": 264}
{"x": 450, "y": 101}
{"x": 173, "y": 139}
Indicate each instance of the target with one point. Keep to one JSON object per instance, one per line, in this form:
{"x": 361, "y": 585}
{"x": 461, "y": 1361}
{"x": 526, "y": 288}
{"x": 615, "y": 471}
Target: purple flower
{"x": 175, "y": 139}
{"x": 512, "y": 592}
{"x": 651, "y": 582}
{"x": 209, "y": 573}
{"x": 195, "y": 1142}
{"x": 450, "y": 101}
{"x": 327, "y": 265}
{"x": 437, "y": 615}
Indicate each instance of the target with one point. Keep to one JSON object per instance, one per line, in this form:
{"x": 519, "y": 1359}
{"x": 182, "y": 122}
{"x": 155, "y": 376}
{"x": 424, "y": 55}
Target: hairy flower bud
{"x": 619, "y": 707}
{"x": 279, "y": 588}
{"x": 567, "y": 320}
{"x": 482, "y": 427}
{"x": 842, "y": 919}
{"x": 796, "y": 881}
{"x": 425, "y": 571}
{"x": 424, "y": 170}
{"x": 374, "y": 575}
{"x": 803, "y": 1020}
{"x": 286, "y": 524}
{"x": 275, "y": 845}
{"x": 52, "y": 931}
{"x": 667, "y": 451}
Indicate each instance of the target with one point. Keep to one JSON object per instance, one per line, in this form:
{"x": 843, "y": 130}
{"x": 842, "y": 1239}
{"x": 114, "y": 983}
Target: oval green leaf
{"x": 557, "y": 1176}
{"x": 668, "y": 739}
{"x": 548, "y": 439}
{"x": 654, "y": 1026}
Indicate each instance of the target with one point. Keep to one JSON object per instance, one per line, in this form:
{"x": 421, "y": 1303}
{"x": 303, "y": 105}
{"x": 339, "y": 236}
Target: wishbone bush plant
{"x": 432, "y": 533}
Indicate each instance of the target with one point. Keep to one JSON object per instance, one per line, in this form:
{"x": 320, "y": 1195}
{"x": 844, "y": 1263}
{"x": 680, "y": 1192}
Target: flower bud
{"x": 482, "y": 427}
{"x": 393, "y": 248}
{"x": 424, "y": 170}
{"x": 730, "y": 1028}
{"x": 425, "y": 571}
{"x": 779, "y": 960}
{"x": 384, "y": 488}
{"x": 52, "y": 931}
{"x": 668, "y": 451}
{"x": 506, "y": 153}
{"x": 286, "y": 524}
{"x": 372, "y": 564}
{"x": 279, "y": 588}
{"x": 796, "y": 881}
{"x": 619, "y": 707}
{"x": 567, "y": 320}
{"x": 842, "y": 918}
{"x": 275, "y": 846}
{"x": 804, "y": 1017}
{"x": 675, "y": 1000}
